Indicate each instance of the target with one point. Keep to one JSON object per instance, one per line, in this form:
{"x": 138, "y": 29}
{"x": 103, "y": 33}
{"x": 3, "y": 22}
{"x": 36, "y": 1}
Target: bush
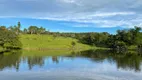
{"x": 9, "y": 40}
{"x": 73, "y": 43}
{"x": 120, "y": 46}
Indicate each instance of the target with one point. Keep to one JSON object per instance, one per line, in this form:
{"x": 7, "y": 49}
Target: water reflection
{"x": 55, "y": 59}
{"x": 127, "y": 61}
{"x": 10, "y": 59}
{"x": 35, "y": 60}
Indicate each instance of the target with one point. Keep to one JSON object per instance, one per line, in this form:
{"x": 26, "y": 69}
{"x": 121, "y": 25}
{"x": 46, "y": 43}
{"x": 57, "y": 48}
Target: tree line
{"x": 121, "y": 40}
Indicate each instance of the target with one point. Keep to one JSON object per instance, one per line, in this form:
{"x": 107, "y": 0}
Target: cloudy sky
{"x": 73, "y": 15}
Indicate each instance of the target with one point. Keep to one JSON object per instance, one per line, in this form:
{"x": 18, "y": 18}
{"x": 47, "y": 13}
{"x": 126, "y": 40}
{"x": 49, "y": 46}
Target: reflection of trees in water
{"x": 129, "y": 62}
{"x": 39, "y": 61}
{"x": 10, "y": 60}
{"x": 140, "y": 49}
{"x": 34, "y": 61}
{"x": 125, "y": 61}
{"x": 97, "y": 56}
{"x": 13, "y": 60}
{"x": 55, "y": 59}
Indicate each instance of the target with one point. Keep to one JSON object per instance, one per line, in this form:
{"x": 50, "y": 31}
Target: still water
{"x": 85, "y": 65}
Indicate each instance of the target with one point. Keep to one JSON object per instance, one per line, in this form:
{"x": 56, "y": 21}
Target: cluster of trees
{"x": 34, "y": 30}
{"x": 9, "y": 39}
{"x": 126, "y": 38}
{"x": 31, "y": 30}
{"x": 121, "y": 40}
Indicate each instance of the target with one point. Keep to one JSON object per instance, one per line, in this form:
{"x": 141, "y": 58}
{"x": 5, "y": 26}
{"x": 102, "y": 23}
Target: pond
{"x": 84, "y": 65}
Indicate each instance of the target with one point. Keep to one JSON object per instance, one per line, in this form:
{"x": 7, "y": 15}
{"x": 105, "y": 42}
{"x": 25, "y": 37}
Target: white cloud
{"x": 114, "y": 14}
{"x": 68, "y": 1}
{"x": 108, "y": 13}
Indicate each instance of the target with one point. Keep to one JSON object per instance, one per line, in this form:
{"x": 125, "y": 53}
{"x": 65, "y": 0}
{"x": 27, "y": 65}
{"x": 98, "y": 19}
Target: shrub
{"x": 9, "y": 40}
{"x": 73, "y": 43}
{"x": 120, "y": 46}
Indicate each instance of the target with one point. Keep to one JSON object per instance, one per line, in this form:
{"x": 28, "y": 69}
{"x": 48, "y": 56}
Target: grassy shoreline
{"x": 48, "y": 42}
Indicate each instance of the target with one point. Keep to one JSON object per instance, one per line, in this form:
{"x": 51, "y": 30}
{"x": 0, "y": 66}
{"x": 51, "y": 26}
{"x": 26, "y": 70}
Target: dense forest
{"x": 120, "y": 41}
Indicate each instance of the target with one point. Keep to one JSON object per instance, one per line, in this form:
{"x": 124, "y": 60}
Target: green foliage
{"x": 9, "y": 40}
{"x": 25, "y": 31}
{"x": 36, "y": 30}
{"x": 129, "y": 36}
{"x": 139, "y": 39}
{"x": 139, "y": 47}
{"x": 97, "y": 39}
{"x": 73, "y": 43}
{"x": 120, "y": 45}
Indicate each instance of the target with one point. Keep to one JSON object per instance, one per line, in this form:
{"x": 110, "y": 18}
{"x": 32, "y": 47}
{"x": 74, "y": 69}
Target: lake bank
{"x": 36, "y": 42}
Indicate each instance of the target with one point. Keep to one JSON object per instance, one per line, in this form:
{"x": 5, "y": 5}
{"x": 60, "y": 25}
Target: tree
{"x": 18, "y": 27}
{"x": 9, "y": 40}
{"x": 129, "y": 36}
{"x": 33, "y": 29}
{"x": 3, "y": 28}
{"x": 36, "y": 30}
{"x": 41, "y": 30}
{"x": 25, "y": 30}
{"x": 73, "y": 44}
{"x": 134, "y": 34}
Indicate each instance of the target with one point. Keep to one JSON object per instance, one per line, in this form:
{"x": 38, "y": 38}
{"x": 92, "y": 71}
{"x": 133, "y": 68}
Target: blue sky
{"x": 73, "y": 15}
{"x": 55, "y": 26}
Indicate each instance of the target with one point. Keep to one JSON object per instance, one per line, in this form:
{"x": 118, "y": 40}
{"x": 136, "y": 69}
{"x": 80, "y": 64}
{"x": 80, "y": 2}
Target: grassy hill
{"x": 48, "y": 42}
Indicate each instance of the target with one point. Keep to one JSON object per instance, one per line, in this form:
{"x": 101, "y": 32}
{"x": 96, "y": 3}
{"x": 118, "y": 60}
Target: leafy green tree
{"x": 9, "y": 40}
{"x": 135, "y": 32}
{"x": 33, "y": 29}
{"x": 18, "y": 27}
{"x": 36, "y": 30}
{"x": 41, "y": 30}
{"x": 129, "y": 36}
{"x": 3, "y": 28}
{"x": 13, "y": 28}
{"x": 73, "y": 44}
{"x": 25, "y": 31}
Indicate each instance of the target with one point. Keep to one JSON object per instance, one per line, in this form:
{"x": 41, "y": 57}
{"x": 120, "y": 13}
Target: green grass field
{"x": 48, "y": 42}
